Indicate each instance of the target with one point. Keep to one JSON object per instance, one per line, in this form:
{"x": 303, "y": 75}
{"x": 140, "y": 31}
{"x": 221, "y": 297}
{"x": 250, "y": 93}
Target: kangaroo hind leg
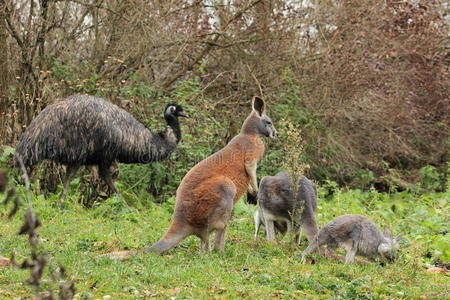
{"x": 350, "y": 250}
{"x": 204, "y": 242}
{"x": 257, "y": 219}
{"x": 220, "y": 239}
{"x": 226, "y": 191}
{"x": 270, "y": 226}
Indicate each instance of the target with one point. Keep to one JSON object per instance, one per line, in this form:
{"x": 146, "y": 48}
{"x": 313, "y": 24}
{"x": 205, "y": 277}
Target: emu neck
{"x": 173, "y": 123}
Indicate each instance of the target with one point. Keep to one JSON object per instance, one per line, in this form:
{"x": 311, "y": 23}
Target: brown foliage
{"x": 383, "y": 82}
{"x": 374, "y": 74}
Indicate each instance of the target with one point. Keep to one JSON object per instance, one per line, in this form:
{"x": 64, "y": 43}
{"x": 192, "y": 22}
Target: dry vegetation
{"x": 367, "y": 81}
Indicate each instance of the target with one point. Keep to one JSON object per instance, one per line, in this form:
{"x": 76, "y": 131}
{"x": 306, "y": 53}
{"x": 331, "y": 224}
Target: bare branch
{"x": 209, "y": 45}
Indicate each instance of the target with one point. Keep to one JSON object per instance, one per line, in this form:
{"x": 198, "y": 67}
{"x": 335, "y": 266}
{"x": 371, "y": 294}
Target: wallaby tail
{"x": 175, "y": 234}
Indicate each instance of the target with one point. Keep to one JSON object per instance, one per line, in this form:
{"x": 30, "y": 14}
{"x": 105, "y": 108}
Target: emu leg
{"x": 105, "y": 173}
{"x": 298, "y": 237}
{"x": 70, "y": 173}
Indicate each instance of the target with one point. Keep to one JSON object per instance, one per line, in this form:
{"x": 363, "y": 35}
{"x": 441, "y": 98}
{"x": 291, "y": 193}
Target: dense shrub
{"x": 365, "y": 81}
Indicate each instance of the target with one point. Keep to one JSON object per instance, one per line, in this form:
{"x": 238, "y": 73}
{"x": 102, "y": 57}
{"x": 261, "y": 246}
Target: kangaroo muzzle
{"x": 274, "y": 134}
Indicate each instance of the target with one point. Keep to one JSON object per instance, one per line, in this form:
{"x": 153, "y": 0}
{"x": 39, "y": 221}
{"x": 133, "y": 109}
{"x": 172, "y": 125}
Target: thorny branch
{"x": 37, "y": 262}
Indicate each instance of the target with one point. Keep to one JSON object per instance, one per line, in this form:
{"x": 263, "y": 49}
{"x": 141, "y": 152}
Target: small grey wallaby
{"x": 357, "y": 235}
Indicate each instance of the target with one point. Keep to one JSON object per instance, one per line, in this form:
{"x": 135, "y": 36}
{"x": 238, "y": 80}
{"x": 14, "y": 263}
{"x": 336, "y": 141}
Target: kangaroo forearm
{"x": 250, "y": 167}
{"x": 250, "y": 189}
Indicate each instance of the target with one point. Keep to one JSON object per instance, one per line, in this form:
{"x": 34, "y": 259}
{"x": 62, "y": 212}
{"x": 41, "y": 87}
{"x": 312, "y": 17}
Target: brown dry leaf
{"x": 120, "y": 255}
{"x": 147, "y": 293}
{"x": 436, "y": 270}
{"x": 4, "y": 261}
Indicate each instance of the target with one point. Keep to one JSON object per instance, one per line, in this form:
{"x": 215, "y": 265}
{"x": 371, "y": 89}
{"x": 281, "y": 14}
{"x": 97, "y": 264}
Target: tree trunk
{"x": 4, "y": 72}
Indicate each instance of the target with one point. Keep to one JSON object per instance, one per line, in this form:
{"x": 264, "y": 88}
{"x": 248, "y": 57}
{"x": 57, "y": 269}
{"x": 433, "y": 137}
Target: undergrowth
{"x": 248, "y": 268}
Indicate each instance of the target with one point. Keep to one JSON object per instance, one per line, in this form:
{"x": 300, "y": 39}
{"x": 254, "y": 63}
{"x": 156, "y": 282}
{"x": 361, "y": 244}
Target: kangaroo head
{"x": 258, "y": 122}
{"x": 389, "y": 247}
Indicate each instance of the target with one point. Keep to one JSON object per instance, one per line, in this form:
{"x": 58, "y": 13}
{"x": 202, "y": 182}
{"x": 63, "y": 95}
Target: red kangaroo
{"x": 207, "y": 193}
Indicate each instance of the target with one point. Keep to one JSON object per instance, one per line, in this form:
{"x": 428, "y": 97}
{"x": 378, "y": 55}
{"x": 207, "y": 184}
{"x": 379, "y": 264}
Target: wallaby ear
{"x": 258, "y": 105}
{"x": 387, "y": 232}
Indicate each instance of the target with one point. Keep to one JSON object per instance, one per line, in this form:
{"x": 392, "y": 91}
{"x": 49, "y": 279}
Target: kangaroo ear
{"x": 258, "y": 105}
{"x": 387, "y": 232}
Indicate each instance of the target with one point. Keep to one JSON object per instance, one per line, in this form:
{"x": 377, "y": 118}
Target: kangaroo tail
{"x": 175, "y": 234}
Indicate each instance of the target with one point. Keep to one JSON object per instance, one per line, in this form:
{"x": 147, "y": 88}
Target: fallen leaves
{"x": 120, "y": 255}
{"x": 437, "y": 270}
{"x": 4, "y": 261}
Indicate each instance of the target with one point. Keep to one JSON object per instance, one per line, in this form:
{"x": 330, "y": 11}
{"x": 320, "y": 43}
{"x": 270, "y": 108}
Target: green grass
{"x": 75, "y": 237}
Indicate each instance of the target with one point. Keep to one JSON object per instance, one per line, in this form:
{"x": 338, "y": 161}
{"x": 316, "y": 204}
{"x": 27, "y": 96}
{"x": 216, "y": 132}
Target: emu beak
{"x": 182, "y": 114}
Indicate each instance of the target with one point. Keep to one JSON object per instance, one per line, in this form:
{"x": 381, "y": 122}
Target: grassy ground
{"x": 75, "y": 237}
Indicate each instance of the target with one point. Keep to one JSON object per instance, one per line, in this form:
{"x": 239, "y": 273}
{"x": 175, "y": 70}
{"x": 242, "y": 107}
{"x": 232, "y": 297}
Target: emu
{"x": 207, "y": 193}
{"x": 86, "y": 130}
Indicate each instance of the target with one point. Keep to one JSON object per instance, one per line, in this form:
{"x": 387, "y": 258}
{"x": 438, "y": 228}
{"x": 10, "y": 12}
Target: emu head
{"x": 258, "y": 122}
{"x": 174, "y": 110}
{"x": 171, "y": 114}
{"x": 389, "y": 247}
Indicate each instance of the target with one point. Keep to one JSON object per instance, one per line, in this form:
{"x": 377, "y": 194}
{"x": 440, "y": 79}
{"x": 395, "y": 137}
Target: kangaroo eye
{"x": 269, "y": 123}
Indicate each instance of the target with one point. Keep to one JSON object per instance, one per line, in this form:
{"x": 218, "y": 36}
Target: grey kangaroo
{"x": 278, "y": 209}
{"x": 358, "y": 235}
